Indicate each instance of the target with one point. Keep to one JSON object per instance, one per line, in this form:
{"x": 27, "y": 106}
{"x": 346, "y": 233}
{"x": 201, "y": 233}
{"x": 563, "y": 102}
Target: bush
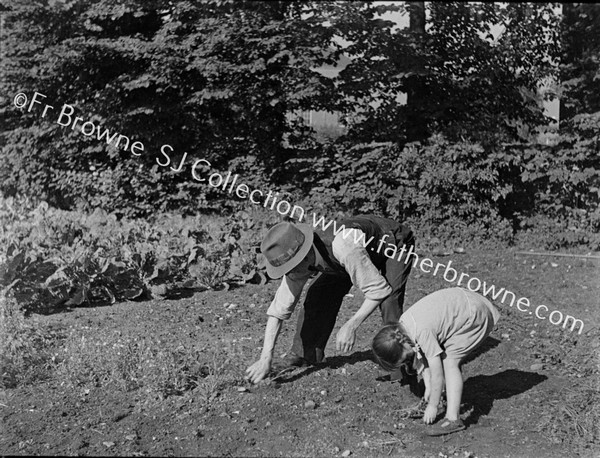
{"x": 441, "y": 187}
{"x": 464, "y": 189}
{"x": 557, "y": 232}
{"x": 444, "y": 181}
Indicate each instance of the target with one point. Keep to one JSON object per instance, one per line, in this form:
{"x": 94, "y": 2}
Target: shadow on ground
{"x": 335, "y": 362}
{"x": 485, "y": 346}
{"x": 482, "y": 390}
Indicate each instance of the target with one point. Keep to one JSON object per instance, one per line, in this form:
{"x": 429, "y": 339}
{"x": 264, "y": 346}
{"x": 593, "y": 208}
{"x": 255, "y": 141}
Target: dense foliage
{"x": 215, "y": 80}
{"x": 472, "y": 71}
{"x": 223, "y": 81}
{"x": 451, "y": 189}
{"x": 580, "y": 59}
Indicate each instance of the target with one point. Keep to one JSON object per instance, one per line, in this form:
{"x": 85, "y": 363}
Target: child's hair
{"x": 388, "y": 347}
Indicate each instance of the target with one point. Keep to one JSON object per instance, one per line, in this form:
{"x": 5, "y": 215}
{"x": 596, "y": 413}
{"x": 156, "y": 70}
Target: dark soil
{"x": 511, "y": 409}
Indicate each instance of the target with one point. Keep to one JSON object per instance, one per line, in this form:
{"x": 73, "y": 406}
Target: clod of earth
{"x": 310, "y": 405}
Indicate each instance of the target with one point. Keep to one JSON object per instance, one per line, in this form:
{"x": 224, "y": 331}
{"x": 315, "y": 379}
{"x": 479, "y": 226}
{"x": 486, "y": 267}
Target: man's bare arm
{"x": 347, "y": 333}
{"x": 261, "y": 368}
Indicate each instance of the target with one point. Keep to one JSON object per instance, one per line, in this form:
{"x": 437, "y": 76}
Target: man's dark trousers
{"x": 324, "y": 297}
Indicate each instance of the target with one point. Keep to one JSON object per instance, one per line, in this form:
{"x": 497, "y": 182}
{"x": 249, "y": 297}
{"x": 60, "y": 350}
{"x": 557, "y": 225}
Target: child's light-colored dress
{"x": 450, "y": 322}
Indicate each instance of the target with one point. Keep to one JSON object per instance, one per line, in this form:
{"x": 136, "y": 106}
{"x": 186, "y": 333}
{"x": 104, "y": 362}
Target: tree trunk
{"x": 417, "y": 17}
{"x": 416, "y": 125}
{"x": 572, "y": 46}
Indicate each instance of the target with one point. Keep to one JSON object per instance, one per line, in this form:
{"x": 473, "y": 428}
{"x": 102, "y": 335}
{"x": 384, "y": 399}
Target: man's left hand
{"x": 345, "y": 337}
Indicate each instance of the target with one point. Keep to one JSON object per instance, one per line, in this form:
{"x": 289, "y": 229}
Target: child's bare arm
{"x": 427, "y": 380}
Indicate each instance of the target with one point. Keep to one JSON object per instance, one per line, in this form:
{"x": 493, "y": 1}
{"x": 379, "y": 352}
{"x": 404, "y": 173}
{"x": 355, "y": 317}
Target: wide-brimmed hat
{"x": 285, "y": 246}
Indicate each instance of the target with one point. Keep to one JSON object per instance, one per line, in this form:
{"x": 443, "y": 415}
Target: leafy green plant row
{"x": 58, "y": 258}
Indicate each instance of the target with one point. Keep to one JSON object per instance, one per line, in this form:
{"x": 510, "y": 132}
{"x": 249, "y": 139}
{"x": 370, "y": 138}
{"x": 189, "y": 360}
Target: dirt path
{"x": 512, "y": 409}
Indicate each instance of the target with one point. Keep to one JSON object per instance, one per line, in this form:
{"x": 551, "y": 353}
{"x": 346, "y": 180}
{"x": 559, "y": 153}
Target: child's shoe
{"x": 444, "y": 427}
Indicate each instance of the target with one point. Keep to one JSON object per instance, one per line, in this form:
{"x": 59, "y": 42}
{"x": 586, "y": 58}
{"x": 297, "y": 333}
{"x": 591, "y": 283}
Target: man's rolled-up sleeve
{"x": 355, "y": 259}
{"x": 287, "y": 295}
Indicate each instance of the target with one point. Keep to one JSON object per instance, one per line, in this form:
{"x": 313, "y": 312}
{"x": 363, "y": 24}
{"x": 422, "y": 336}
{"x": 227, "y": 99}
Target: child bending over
{"x": 433, "y": 337}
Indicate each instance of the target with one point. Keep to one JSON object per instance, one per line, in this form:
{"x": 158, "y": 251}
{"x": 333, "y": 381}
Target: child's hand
{"x": 430, "y": 414}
